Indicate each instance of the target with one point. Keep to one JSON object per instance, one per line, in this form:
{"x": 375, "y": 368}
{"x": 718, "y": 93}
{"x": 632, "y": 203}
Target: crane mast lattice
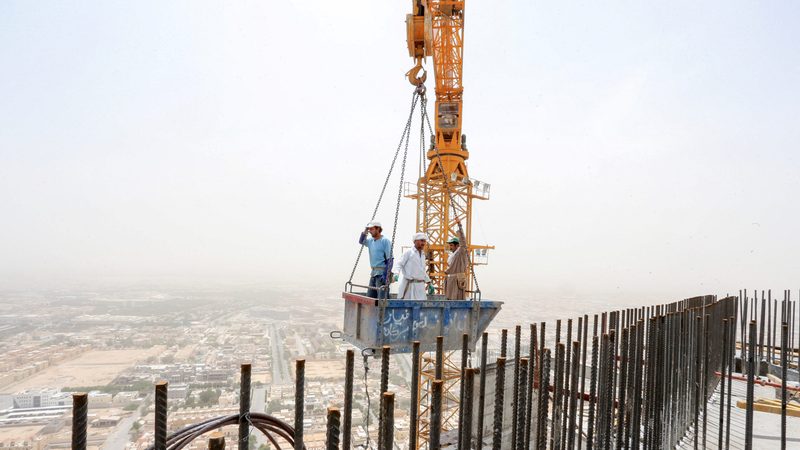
{"x": 445, "y": 192}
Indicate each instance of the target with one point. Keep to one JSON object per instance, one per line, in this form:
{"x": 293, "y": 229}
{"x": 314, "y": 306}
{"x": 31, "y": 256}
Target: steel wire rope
{"x": 423, "y": 105}
{"x": 403, "y": 137}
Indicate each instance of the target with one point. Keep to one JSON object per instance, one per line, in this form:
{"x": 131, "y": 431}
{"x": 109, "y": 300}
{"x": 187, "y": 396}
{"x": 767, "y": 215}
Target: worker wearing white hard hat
{"x": 380, "y": 254}
{"x": 411, "y": 267}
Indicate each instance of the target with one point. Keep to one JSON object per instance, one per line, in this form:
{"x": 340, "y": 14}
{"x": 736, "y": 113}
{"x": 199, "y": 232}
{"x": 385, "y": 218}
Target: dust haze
{"x": 636, "y": 152}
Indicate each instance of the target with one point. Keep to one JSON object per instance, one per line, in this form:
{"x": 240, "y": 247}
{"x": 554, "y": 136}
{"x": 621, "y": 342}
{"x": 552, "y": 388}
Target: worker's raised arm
{"x": 362, "y": 239}
{"x": 461, "y": 237}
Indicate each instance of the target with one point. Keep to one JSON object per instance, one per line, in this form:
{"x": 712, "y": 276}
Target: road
{"x": 280, "y": 373}
{"x": 119, "y": 437}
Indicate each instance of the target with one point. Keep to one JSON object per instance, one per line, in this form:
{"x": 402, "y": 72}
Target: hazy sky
{"x": 636, "y": 148}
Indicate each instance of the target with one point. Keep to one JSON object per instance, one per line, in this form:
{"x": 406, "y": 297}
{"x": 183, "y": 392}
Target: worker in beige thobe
{"x": 457, "y": 265}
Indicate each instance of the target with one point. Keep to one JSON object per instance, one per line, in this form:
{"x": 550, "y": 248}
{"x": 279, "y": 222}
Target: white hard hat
{"x": 374, "y": 223}
{"x": 420, "y": 236}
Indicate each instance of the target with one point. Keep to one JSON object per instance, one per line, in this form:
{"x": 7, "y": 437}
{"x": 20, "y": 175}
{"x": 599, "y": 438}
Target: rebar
{"x": 515, "y": 387}
{"x": 584, "y": 345}
{"x": 160, "y": 423}
{"x": 434, "y": 437}
{"x": 544, "y": 399}
{"x": 784, "y": 370}
{"x": 722, "y": 370}
{"x": 387, "y": 421}
{"x": 592, "y": 393}
{"x": 385, "y": 351}
{"x": 464, "y": 355}
{"x": 347, "y": 421}
{"x": 482, "y": 397}
{"x": 467, "y": 406}
{"x": 216, "y": 441}
{"x": 244, "y": 406}
{"x": 555, "y": 432}
{"x": 332, "y": 432}
{"x": 565, "y": 397}
{"x": 299, "y": 397}
{"x": 414, "y": 403}
{"x": 520, "y": 400}
{"x": 80, "y": 421}
{"x": 751, "y": 368}
{"x": 439, "y": 370}
{"x": 499, "y": 404}
{"x": 573, "y": 395}
{"x": 530, "y": 381}
{"x": 623, "y": 374}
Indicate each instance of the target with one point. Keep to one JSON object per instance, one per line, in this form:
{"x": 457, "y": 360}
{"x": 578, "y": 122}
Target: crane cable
{"x": 403, "y": 138}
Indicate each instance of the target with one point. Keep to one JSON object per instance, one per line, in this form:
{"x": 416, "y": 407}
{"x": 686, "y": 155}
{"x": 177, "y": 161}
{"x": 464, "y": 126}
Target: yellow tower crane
{"x": 445, "y": 192}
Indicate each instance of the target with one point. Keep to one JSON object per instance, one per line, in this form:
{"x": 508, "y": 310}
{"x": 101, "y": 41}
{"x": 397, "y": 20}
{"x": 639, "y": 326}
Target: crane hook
{"x": 412, "y": 75}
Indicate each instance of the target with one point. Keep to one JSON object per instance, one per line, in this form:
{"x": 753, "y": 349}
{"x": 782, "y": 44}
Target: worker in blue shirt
{"x": 380, "y": 254}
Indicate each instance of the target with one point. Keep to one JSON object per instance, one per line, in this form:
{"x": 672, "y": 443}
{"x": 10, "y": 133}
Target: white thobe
{"x": 412, "y": 268}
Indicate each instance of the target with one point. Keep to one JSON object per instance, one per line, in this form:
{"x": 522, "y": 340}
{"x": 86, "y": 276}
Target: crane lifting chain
{"x": 418, "y": 97}
{"x": 404, "y": 139}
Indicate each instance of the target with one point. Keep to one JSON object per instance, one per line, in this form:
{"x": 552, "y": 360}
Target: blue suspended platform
{"x": 372, "y": 323}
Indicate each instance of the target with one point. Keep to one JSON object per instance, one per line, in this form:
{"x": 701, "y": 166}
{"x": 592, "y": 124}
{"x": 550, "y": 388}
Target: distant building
{"x": 35, "y": 398}
{"x": 178, "y": 392}
{"x": 125, "y": 398}
{"x": 99, "y": 399}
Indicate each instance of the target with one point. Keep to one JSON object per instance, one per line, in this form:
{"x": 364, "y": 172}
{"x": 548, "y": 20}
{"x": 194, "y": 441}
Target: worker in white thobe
{"x": 411, "y": 267}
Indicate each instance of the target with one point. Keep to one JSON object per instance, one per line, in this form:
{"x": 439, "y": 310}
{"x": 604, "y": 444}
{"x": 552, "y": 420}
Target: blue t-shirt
{"x": 380, "y": 250}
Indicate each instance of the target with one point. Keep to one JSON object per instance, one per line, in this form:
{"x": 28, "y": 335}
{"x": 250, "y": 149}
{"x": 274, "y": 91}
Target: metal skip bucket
{"x": 373, "y": 323}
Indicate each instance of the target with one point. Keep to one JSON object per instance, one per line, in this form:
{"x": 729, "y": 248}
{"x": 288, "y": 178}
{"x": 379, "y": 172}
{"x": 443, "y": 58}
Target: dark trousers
{"x": 375, "y": 282}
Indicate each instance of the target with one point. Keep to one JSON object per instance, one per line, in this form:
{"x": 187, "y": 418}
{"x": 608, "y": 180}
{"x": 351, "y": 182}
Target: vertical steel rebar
{"x": 299, "y": 397}
{"x": 347, "y": 421}
{"x": 751, "y": 368}
{"x": 731, "y": 354}
{"x": 623, "y": 374}
{"x": 385, "y": 355}
{"x": 387, "y": 421}
{"x": 482, "y": 397}
{"x": 722, "y": 370}
{"x": 80, "y": 422}
{"x": 567, "y": 367}
{"x": 532, "y": 356}
{"x": 521, "y": 400}
{"x": 439, "y": 370}
{"x": 413, "y": 422}
{"x": 573, "y": 394}
{"x": 515, "y": 386}
{"x": 698, "y": 361}
{"x": 503, "y": 342}
{"x": 558, "y": 391}
{"x": 592, "y": 393}
{"x": 784, "y": 369}
{"x": 544, "y": 399}
{"x": 332, "y": 432}
{"x": 244, "y": 406}
{"x": 467, "y": 406}
{"x": 500, "y": 379}
{"x": 464, "y": 355}
{"x": 216, "y": 441}
{"x": 584, "y": 345}
{"x": 435, "y": 428}
{"x": 704, "y": 399}
{"x": 160, "y": 424}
